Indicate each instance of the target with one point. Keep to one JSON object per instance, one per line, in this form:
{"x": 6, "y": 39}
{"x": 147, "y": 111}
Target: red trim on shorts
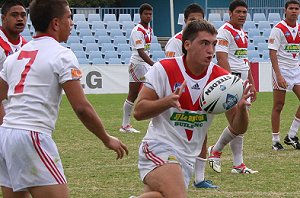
{"x": 152, "y": 157}
{"x": 46, "y": 159}
{"x": 131, "y": 70}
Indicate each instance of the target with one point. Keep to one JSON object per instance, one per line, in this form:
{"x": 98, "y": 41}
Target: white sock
{"x": 275, "y": 137}
{"x": 236, "y": 146}
{"x": 223, "y": 140}
{"x": 127, "y": 108}
{"x": 294, "y": 127}
{"x": 199, "y": 169}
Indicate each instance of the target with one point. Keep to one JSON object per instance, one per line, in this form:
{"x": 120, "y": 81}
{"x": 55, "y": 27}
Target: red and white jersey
{"x": 174, "y": 46}
{"x": 234, "y": 42}
{"x": 285, "y": 40}
{"x": 140, "y": 39}
{"x": 34, "y": 75}
{"x": 7, "y": 47}
{"x": 184, "y": 130}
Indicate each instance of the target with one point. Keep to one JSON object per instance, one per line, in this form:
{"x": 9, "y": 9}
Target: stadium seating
{"x": 107, "y": 47}
{"x": 97, "y": 61}
{"x": 249, "y": 25}
{"x": 73, "y": 39}
{"x": 95, "y": 54}
{"x": 123, "y": 48}
{"x": 116, "y": 32}
{"x": 83, "y": 61}
{"x": 214, "y": 17}
{"x": 96, "y": 25}
{"x": 76, "y": 47}
{"x": 80, "y": 54}
{"x": 93, "y": 17}
{"x": 154, "y": 39}
{"x": 85, "y": 32}
{"x": 157, "y": 55}
{"x": 226, "y": 16}
{"x": 252, "y": 54}
{"x": 125, "y": 54}
{"x": 100, "y": 32}
{"x": 273, "y": 17}
{"x": 127, "y": 25}
{"x": 136, "y": 18}
{"x": 110, "y": 54}
{"x": 124, "y": 17}
{"x": 112, "y": 25}
{"x": 103, "y": 39}
{"x": 109, "y": 17}
{"x": 155, "y": 47}
{"x": 88, "y": 39}
{"x": 78, "y": 17}
{"x": 114, "y": 61}
{"x": 259, "y": 39}
{"x": 259, "y": 17}
{"x": 126, "y": 61}
{"x": 26, "y": 32}
{"x": 82, "y": 25}
{"x": 218, "y": 24}
{"x": 262, "y": 25}
{"x": 91, "y": 47}
{"x": 119, "y": 40}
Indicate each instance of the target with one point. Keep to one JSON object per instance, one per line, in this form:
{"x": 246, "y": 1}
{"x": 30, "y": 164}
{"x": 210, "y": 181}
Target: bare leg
{"x": 8, "y": 193}
{"x": 53, "y": 191}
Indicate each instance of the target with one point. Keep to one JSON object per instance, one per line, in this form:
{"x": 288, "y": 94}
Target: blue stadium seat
{"x": 126, "y": 61}
{"x": 218, "y": 24}
{"x": 26, "y": 32}
{"x": 272, "y": 17}
{"x": 110, "y": 54}
{"x": 249, "y": 25}
{"x": 251, "y": 46}
{"x": 127, "y": 25}
{"x": 95, "y": 54}
{"x": 107, "y": 47}
{"x": 123, "y": 48}
{"x": 157, "y": 55}
{"x": 119, "y": 40}
{"x": 85, "y": 32}
{"x": 136, "y": 18}
{"x": 252, "y": 32}
{"x": 259, "y": 39}
{"x": 114, "y": 61}
{"x": 93, "y": 17}
{"x": 80, "y": 54}
{"x": 82, "y": 25}
{"x": 91, "y": 47}
{"x": 248, "y": 17}
{"x": 214, "y": 17}
{"x": 257, "y": 59}
{"x": 97, "y": 61}
{"x": 155, "y": 47}
{"x": 116, "y": 32}
{"x": 261, "y": 47}
{"x": 73, "y": 39}
{"x": 266, "y": 32}
{"x": 112, "y": 25}
{"x": 124, "y": 17}
{"x": 88, "y": 39}
{"x": 96, "y": 25}
{"x": 83, "y": 61}
{"x": 265, "y": 55}
{"x": 109, "y": 17}
{"x": 103, "y": 39}
{"x": 259, "y": 17}
{"x": 253, "y": 54}
{"x": 73, "y": 32}
{"x": 154, "y": 39}
{"x": 125, "y": 54}
{"x": 226, "y": 16}
{"x": 76, "y": 47}
{"x": 100, "y": 32}
{"x": 128, "y": 33}
{"x": 263, "y": 25}
{"x": 28, "y": 38}
{"x": 78, "y": 17}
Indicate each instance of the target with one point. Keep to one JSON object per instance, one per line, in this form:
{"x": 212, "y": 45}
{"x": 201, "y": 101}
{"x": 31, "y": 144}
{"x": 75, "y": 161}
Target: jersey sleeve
{"x": 173, "y": 48}
{"x": 69, "y": 67}
{"x": 3, "y": 73}
{"x": 2, "y": 58}
{"x": 138, "y": 40}
{"x": 156, "y": 79}
{"x": 223, "y": 40}
{"x": 274, "y": 39}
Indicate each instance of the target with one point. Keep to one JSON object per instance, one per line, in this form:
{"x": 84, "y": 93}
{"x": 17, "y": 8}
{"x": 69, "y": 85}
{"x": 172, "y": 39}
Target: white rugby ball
{"x": 221, "y": 94}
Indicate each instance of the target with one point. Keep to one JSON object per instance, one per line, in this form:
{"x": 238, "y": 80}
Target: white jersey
{"x": 285, "y": 40}
{"x": 234, "y": 42}
{"x": 7, "y": 47}
{"x": 174, "y": 46}
{"x": 140, "y": 39}
{"x": 34, "y": 75}
{"x": 184, "y": 130}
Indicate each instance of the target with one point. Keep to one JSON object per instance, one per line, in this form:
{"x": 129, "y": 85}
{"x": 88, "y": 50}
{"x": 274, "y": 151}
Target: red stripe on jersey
{"x": 287, "y": 34}
{"x": 6, "y": 47}
{"x": 216, "y": 72}
{"x": 255, "y": 73}
{"x": 237, "y": 38}
{"x": 146, "y": 36}
{"x": 179, "y": 36}
{"x": 47, "y": 161}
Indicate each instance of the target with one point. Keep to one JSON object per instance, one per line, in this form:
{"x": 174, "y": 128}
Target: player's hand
{"x": 253, "y": 90}
{"x": 176, "y": 95}
{"x": 116, "y": 145}
{"x": 244, "y": 103}
{"x": 281, "y": 82}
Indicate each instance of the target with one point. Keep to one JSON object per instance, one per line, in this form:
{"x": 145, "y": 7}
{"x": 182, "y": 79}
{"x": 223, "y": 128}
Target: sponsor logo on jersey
{"x": 76, "y": 73}
{"x": 196, "y": 86}
{"x": 188, "y": 119}
{"x": 223, "y": 42}
{"x": 241, "y": 53}
{"x": 177, "y": 85}
{"x": 287, "y": 34}
{"x": 147, "y": 46}
{"x": 237, "y": 37}
{"x": 172, "y": 158}
{"x": 292, "y": 48}
{"x": 170, "y": 54}
{"x": 271, "y": 41}
{"x": 138, "y": 42}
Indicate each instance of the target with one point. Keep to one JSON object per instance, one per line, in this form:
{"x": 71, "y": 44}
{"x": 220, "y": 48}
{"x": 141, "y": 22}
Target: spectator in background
{"x": 231, "y": 52}
{"x": 140, "y": 63}
{"x": 284, "y": 51}
{"x": 174, "y": 48}
{"x": 33, "y": 79}
{"x": 14, "y": 18}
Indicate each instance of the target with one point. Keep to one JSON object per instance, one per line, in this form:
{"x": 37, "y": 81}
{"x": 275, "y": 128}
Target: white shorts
{"x": 153, "y": 154}
{"x": 137, "y": 72}
{"x": 291, "y": 76}
{"x": 28, "y": 159}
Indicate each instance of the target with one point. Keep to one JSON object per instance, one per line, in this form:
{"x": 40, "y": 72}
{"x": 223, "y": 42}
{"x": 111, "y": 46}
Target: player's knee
{"x": 279, "y": 106}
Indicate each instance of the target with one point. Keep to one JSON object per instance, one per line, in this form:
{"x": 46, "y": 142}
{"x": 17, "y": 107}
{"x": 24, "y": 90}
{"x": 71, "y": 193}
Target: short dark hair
{"x": 145, "y": 6}
{"x": 42, "y": 12}
{"x": 193, "y": 8}
{"x": 234, "y": 4}
{"x": 190, "y": 31}
{"x": 291, "y": 2}
{"x": 10, "y": 3}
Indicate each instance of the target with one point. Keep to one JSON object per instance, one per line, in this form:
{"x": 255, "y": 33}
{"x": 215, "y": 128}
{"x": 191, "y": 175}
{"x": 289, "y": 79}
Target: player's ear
{"x": 187, "y": 44}
{"x": 55, "y": 24}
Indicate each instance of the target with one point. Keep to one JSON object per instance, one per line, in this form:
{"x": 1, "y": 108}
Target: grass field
{"x": 93, "y": 172}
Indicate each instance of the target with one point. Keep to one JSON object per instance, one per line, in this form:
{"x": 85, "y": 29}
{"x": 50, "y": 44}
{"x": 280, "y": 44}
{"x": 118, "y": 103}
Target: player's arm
{"x": 149, "y": 105}
{"x": 3, "y": 95}
{"x": 144, "y": 56}
{"x": 89, "y": 117}
{"x": 222, "y": 58}
{"x": 274, "y": 60}
{"x": 222, "y": 49}
{"x": 238, "y": 116}
{"x": 251, "y": 81}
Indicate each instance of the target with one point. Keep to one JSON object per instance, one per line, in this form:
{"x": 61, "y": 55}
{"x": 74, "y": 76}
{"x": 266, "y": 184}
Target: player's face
{"x": 66, "y": 25}
{"x": 201, "y": 50}
{"x": 146, "y": 16}
{"x": 238, "y": 16}
{"x": 193, "y": 17}
{"x": 292, "y": 12}
{"x": 15, "y": 20}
